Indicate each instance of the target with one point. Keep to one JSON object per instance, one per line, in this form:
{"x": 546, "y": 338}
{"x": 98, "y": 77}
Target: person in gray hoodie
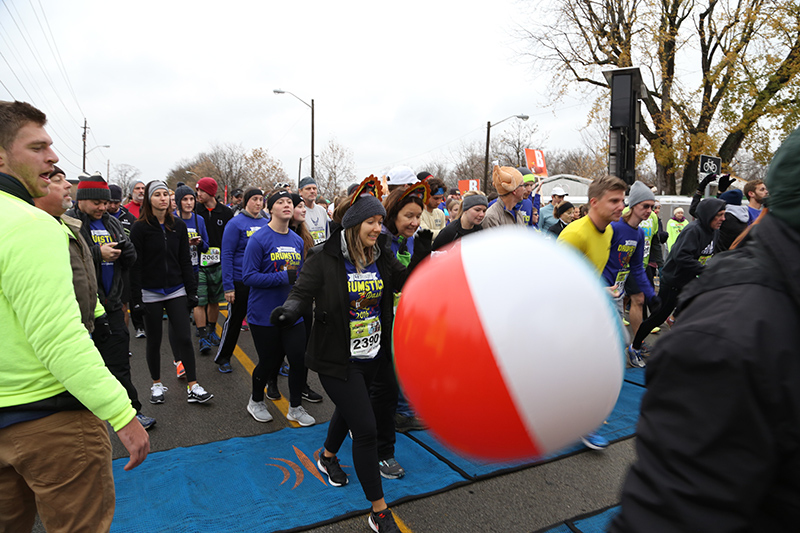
{"x": 685, "y": 262}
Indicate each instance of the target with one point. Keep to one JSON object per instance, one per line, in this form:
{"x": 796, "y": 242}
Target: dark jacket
{"x": 557, "y": 228}
{"x": 113, "y": 300}
{"x": 323, "y": 280}
{"x": 126, "y": 219}
{"x": 162, "y": 258}
{"x": 737, "y": 218}
{"x": 718, "y": 441}
{"x": 683, "y": 263}
{"x": 451, "y": 233}
{"x": 215, "y": 220}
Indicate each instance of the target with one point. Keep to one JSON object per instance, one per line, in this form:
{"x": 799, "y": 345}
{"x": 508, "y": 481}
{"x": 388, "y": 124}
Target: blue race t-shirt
{"x": 268, "y": 257}
{"x": 626, "y": 257}
{"x": 100, "y": 235}
{"x": 366, "y": 290}
{"x": 196, "y": 227}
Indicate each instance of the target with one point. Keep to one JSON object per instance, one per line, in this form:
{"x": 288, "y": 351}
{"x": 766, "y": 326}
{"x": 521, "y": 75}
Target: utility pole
{"x": 85, "y": 129}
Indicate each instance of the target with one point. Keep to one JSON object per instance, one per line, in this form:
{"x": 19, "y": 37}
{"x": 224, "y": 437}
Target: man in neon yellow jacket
{"x": 55, "y": 390}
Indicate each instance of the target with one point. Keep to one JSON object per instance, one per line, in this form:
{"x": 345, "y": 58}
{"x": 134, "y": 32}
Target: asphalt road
{"x": 523, "y": 501}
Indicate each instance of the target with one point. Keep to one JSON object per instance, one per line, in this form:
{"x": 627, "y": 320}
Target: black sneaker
{"x": 272, "y": 390}
{"x": 311, "y": 396}
{"x": 330, "y": 467}
{"x": 391, "y": 469}
{"x": 408, "y": 423}
{"x": 383, "y": 521}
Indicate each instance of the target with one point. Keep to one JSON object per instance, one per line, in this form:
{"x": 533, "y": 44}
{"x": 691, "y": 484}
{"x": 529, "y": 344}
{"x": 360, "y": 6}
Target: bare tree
{"x": 510, "y": 146}
{"x": 335, "y": 169}
{"x": 230, "y": 162}
{"x": 468, "y": 161}
{"x": 124, "y": 175}
{"x": 262, "y": 170}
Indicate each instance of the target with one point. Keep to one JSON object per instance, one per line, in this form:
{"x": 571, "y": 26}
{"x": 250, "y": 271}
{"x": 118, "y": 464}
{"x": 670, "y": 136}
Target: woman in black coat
{"x": 351, "y": 278}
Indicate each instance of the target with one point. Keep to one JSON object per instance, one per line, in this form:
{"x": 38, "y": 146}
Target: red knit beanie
{"x": 208, "y": 186}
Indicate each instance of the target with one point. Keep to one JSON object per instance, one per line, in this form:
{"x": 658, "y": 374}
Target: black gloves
{"x": 724, "y": 182}
{"x": 283, "y": 317}
{"x": 703, "y": 184}
{"x": 191, "y": 301}
{"x": 424, "y": 238}
{"x": 102, "y": 329}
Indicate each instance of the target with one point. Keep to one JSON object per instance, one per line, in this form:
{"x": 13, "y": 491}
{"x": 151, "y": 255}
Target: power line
{"x": 59, "y": 61}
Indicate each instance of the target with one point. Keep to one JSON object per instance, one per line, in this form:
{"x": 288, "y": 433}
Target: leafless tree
{"x": 124, "y": 175}
{"x": 335, "y": 169}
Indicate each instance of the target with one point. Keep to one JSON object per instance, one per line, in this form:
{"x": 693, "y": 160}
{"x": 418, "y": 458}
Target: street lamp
{"x": 85, "y": 151}
{"x": 300, "y": 167}
{"x": 311, "y": 105}
{"x": 486, "y": 160}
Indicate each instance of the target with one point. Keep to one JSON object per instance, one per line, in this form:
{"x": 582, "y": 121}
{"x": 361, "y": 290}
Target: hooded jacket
{"x": 696, "y": 240}
{"x": 736, "y": 220}
{"x": 215, "y": 220}
{"x": 719, "y": 432}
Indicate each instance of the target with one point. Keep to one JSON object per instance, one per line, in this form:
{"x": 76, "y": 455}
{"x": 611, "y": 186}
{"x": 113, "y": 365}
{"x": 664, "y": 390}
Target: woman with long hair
{"x": 272, "y": 260}
{"x": 351, "y": 280}
{"x": 162, "y": 280}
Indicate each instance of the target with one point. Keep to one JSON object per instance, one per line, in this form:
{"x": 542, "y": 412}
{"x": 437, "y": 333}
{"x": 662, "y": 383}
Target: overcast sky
{"x": 400, "y": 83}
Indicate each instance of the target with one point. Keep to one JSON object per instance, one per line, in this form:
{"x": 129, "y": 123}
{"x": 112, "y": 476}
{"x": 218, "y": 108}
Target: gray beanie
{"x": 134, "y": 184}
{"x": 364, "y": 207}
{"x": 639, "y": 193}
{"x": 471, "y": 201}
{"x": 180, "y": 192}
{"x": 305, "y": 182}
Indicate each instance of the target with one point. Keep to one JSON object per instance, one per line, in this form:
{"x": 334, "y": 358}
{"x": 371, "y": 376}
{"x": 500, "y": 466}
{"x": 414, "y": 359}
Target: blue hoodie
{"x": 237, "y": 232}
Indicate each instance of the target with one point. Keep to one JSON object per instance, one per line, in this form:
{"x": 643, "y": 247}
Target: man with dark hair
{"x": 756, "y": 193}
{"x": 432, "y": 217}
{"x": 718, "y": 436}
{"x": 55, "y": 390}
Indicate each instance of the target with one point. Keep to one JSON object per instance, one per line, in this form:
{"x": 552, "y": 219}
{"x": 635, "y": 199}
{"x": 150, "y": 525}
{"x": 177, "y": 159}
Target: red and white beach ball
{"x": 508, "y": 346}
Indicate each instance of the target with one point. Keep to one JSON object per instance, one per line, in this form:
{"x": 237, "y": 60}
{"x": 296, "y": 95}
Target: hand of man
{"x": 108, "y": 252}
{"x": 230, "y": 296}
{"x": 703, "y": 184}
{"x": 135, "y": 439}
{"x": 725, "y": 182}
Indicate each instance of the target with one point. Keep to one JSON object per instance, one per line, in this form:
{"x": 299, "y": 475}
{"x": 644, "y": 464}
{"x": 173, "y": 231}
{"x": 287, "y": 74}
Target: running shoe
{"x": 625, "y": 322}
{"x": 157, "y": 392}
{"x": 197, "y": 394}
{"x": 655, "y": 330}
{"x": 634, "y": 357}
{"x": 645, "y": 349}
{"x": 404, "y": 423}
{"x": 383, "y": 522}
{"x": 259, "y": 410}
{"x": 225, "y": 368}
{"x": 180, "y": 372}
{"x": 330, "y": 467}
{"x": 310, "y": 396}
{"x": 391, "y": 469}
{"x": 272, "y": 390}
{"x": 245, "y": 325}
{"x": 299, "y": 415}
{"x": 284, "y": 371}
{"x": 594, "y": 441}
{"x": 205, "y": 346}
{"x": 146, "y": 421}
{"x": 140, "y": 334}
{"x": 213, "y": 337}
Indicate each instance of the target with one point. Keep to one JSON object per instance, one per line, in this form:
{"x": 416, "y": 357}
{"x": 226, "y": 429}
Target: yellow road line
{"x": 402, "y": 525}
{"x": 249, "y": 365}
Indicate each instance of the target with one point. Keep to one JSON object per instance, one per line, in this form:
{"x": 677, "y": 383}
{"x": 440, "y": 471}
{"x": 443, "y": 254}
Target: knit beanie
{"x": 363, "y": 208}
{"x": 296, "y": 199}
{"x": 639, "y": 193}
{"x": 116, "y": 193}
{"x": 732, "y": 197}
{"x": 506, "y": 179}
{"x": 208, "y": 186}
{"x": 562, "y": 208}
{"x": 156, "y": 185}
{"x": 249, "y": 193}
{"x": 783, "y": 182}
{"x": 133, "y": 186}
{"x": 422, "y": 176}
{"x": 527, "y": 175}
{"x": 93, "y": 187}
{"x": 471, "y": 201}
{"x": 305, "y": 182}
{"x": 283, "y": 193}
{"x": 182, "y": 191}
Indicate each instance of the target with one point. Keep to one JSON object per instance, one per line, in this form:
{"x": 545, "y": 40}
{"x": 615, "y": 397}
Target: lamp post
{"x": 486, "y": 160}
{"x": 300, "y": 167}
{"x": 311, "y": 105}
{"x": 85, "y": 151}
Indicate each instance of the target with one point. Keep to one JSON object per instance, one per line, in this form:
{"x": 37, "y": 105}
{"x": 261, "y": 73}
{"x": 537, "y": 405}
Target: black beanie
{"x": 249, "y": 193}
{"x": 296, "y": 199}
{"x": 116, "y": 193}
{"x": 180, "y": 192}
{"x": 364, "y": 207}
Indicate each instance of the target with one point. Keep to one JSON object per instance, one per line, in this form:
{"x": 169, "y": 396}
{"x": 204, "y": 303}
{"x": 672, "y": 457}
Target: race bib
{"x": 365, "y": 338}
{"x": 210, "y": 258}
{"x": 318, "y": 236}
{"x": 647, "y": 244}
{"x": 622, "y": 275}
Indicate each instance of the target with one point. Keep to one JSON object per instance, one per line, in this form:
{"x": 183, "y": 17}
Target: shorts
{"x": 631, "y": 287}
{"x": 209, "y": 286}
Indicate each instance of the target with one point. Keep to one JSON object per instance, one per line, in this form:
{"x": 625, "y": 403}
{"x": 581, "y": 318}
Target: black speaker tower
{"x": 627, "y": 89}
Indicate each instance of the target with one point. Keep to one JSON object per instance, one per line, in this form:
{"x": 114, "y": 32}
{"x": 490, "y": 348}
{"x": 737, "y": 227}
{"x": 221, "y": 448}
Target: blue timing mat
{"x": 596, "y": 522}
{"x": 635, "y": 375}
{"x": 620, "y": 424}
{"x": 264, "y": 483}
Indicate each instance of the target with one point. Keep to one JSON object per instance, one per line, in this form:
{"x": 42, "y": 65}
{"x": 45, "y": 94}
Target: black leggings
{"x": 354, "y": 412}
{"x": 668, "y": 293}
{"x": 177, "y": 310}
{"x": 272, "y": 342}
{"x": 237, "y": 311}
{"x": 115, "y": 354}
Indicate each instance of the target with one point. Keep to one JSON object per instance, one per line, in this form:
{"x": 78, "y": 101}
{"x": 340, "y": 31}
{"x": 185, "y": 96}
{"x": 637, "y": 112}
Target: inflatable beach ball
{"x": 508, "y": 346}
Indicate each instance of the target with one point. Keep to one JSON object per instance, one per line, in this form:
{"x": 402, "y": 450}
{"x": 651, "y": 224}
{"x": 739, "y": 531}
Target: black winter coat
{"x": 323, "y": 280}
{"x": 162, "y": 258}
{"x": 114, "y": 299}
{"x": 718, "y": 441}
{"x": 682, "y": 264}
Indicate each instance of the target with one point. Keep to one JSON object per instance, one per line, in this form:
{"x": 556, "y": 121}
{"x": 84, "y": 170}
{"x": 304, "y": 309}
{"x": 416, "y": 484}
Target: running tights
{"x": 272, "y": 343}
{"x": 177, "y": 310}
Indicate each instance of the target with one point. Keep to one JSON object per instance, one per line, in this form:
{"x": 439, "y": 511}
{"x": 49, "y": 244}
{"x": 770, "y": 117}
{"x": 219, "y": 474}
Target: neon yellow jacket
{"x": 46, "y": 350}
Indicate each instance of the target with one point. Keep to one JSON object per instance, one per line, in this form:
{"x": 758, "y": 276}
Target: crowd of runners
{"x": 316, "y": 283}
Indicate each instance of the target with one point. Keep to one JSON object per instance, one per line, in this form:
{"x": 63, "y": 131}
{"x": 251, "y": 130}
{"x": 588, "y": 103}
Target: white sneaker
{"x": 140, "y": 334}
{"x": 259, "y": 410}
{"x": 197, "y": 394}
{"x": 299, "y": 415}
{"x": 157, "y": 392}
